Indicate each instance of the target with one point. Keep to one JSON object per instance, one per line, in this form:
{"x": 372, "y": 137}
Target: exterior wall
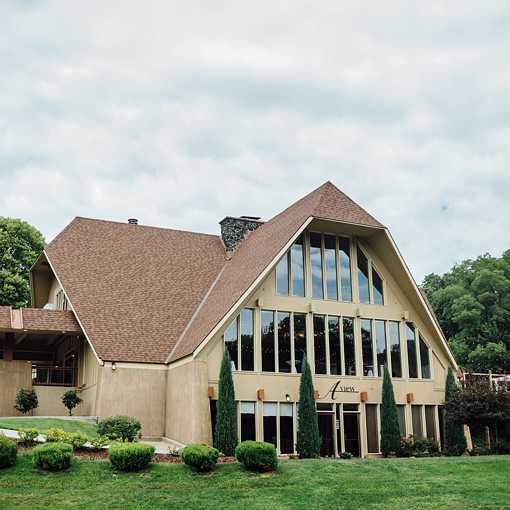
{"x": 50, "y": 401}
{"x": 88, "y": 374}
{"x": 13, "y": 376}
{"x": 188, "y": 415}
{"x": 135, "y": 391}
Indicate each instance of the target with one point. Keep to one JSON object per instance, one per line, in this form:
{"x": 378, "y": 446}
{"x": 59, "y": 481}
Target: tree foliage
{"x": 472, "y": 304}
{"x": 71, "y": 399}
{"x": 308, "y": 439}
{"x": 390, "y": 431}
{"x": 26, "y": 400}
{"x": 455, "y": 440}
{"x": 20, "y": 244}
{"x": 225, "y": 436}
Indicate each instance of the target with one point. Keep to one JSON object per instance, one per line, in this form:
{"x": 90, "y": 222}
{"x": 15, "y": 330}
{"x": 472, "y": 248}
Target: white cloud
{"x": 182, "y": 113}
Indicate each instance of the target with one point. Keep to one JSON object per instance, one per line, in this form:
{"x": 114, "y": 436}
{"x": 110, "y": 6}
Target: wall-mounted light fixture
{"x": 287, "y": 397}
{"x": 114, "y": 366}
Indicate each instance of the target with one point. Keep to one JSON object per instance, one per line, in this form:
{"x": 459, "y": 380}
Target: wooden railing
{"x": 51, "y": 376}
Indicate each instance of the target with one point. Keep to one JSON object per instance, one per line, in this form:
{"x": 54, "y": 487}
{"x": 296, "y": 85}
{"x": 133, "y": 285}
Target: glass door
{"x": 348, "y": 439}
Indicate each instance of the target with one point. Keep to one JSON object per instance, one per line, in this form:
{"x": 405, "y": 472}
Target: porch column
{"x": 8, "y": 346}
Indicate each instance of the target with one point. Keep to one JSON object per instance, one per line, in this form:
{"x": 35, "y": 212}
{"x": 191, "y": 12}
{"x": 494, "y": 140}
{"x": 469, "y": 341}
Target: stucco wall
{"x": 13, "y": 376}
{"x": 50, "y": 401}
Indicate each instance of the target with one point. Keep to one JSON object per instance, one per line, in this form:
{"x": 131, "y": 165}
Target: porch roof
{"x": 37, "y": 320}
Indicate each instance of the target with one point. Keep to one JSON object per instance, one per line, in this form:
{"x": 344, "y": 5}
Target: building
{"x": 137, "y": 319}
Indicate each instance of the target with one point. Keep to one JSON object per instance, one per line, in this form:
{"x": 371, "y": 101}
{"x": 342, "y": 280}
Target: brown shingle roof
{"x": 143, "y": 294}
{"x": 37, "y": 319}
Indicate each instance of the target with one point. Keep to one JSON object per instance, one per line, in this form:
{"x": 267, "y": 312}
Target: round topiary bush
{"x": 123, "y": 428}
{"x": 130, "y": 456}
{"x": 257, "y": 456}
{"x": 200, "y": 457}
{"x": 52, "y": 456}
{"x": 8, "y": 452}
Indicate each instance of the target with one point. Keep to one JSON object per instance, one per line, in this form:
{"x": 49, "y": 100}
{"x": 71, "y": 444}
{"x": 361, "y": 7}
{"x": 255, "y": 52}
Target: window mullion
{"x": 388, "y": 347}
{"x": 342, "y": 348}
{"x": 326, "y": 336}
{"x": 292, "y": 348}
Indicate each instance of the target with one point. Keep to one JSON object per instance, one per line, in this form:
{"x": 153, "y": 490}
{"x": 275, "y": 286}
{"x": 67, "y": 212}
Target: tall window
{"x": 330, "y": 263}
{"x": 247, "y": 410}
{"x": 372, "y": 428}
{"x": 430, "y": 421}
{"x": 380, "y": 344}
{"x": 345, "y": 268}
{"x": 290, "y": 275}
{"x": 396, "y": 362}
{"x": 241, "y": 353}
{"x": 319, "y": 338}
{"x": 367, "y": 348}
{"x": 349, "y": 349}
{"x": 286, "y": 428}
{"x": 284, "y": 352}
{"x": 335, "y": 354}
{"x": 417, "y": 421}
{"x": 411, "y": 351}
{"x": 377, "y": 288}
{"x": 364, "y": 291}
{"x": 270, "y": 427}
{"x": 424, "y": 359}
{"x": 316, "y": 263}
{"x": 299, "y": 340}
{"x": 401, "y": 411}
{"x": 267, "y": 337}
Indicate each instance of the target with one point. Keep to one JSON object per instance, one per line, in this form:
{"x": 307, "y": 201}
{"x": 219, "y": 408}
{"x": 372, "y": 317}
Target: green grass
{"x": 438, "y": 483}
{"x": 43, "y": 424}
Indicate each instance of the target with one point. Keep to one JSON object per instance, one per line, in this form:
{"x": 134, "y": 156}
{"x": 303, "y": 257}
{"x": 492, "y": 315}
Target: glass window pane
{"x": 297, "y": 268}
{"x": 377, "y": 288}
{"x": 316, "y": 262}
{"x": 417, "y": 422}
{"x": 284, "y": 353}
{"x": 424, "y": 359}
{"x": 372, "y": 428}
{"x": 270, "y": 416}
{"x": 401, "y": 411}
{"x": 267, "y": 334}
{"x": 230, "y": 337}
{"x": 247, "y": 421}
{"x": 364, "y": 293}
{"x": 299, "y": 340}
{"x": 396, "y": 362}
{"x": 319, "y": 339}
{"x": 349, "y": 351}
{"x": 247, "y": 339}
{"x": 330, "y": 262}
{"x": 380, "y": 342}
{"x": 286, "y": 428}
{"x": 366, "y": 345}
{"x": 411, "y": 351}
{"x": 282, "y": 276}
{"x": 345, "y": 268}
{"x": 430, "y": 420}
{"x": 335, "y": 362}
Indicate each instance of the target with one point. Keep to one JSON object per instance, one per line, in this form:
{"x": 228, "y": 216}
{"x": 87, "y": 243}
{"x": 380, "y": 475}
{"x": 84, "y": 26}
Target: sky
{"x": 180, "y": 113}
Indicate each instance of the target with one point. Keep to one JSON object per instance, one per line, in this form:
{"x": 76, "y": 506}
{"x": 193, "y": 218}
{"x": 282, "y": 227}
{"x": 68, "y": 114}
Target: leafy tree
{"x": 26, "y": 401}
{"x": 308, "y": 439}
{"x": 225, "y": 436}
{"x": 472, "y": 304}
{"x": 390, "y": 431}
{"x": 455, "y": 440}
{"x": 20, "y": 244}
{"x": 71, "y": 399}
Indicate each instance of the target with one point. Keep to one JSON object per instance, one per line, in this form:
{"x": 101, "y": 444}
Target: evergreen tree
{"x": 455, "y": 440}
{"x": 390, "y": 430}
{"x": 308, "y": 439}
{"x": 225, "y": 436}
{"x": 26, "y": 400}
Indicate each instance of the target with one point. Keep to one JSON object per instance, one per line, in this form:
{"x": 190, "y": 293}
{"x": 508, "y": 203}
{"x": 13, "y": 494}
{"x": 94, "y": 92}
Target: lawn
{"x": 43, "y": 424}
{"x": 439, "y": 483}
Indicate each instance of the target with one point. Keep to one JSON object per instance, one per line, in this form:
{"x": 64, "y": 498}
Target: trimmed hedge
{"x": 52, "y": 456}
{"x": 200, "y": 456}
{"x": 130, "y": 456}
{"x": 122, "y": 428}
{"x": 257, "y": 456}
{"x": 8, "y": 452}
{"x": 75, "y": 439}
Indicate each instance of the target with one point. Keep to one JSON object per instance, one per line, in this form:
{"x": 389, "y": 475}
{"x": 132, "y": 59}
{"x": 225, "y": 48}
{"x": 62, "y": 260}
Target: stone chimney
{"x": 233, "y": 229}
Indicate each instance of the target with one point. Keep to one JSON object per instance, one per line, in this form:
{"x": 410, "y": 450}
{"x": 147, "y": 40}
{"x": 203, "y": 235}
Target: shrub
{"x": 99, "y": 442}
{"x": 346, "y": 455}
{"x": 52, "y": 456}
{"x": 76, "y": 440}
{"x": 455, "y": 440}
{"x": 122, "y": 428}
{"x": 257, "y": 456}
{"x": 173, "y": 452}
{"x": 8, "y": 452}
{"x": 130, "y": 456}
{"x": 26, "y": 400}
{"x": 501, "y": 447}
{"x": 417, "y": 447}
{"x": 479, "y": 450}
{"x": 28, "y": 436}
{"x": 390, "y": 432}
{"x": 56, "y": 435}
{"x": 71, "y": 399}
{"x": 200, "y": 456}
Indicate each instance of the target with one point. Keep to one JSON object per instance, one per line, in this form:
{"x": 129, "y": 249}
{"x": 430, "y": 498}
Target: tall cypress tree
{"x": 225, "y": 436}
{"x": 308, "y": 439}
{"x": 390, "y": 431}
{"x": 455, "y": 440}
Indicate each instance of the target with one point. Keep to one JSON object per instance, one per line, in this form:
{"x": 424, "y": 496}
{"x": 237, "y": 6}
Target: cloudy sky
{"x": 179, "y": 113}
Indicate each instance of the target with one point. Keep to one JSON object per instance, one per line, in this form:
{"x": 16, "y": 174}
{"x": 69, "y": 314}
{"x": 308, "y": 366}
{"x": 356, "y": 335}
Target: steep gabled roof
{"x": 259, "y": 249}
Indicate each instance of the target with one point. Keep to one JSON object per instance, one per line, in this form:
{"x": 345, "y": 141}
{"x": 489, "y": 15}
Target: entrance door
{"x": 351, "y": 433}
{"x": 326, "y": 433}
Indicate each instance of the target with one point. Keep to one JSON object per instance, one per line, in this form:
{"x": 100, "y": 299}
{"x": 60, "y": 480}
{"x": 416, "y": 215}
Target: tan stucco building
{"x": 137, "y": 318}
